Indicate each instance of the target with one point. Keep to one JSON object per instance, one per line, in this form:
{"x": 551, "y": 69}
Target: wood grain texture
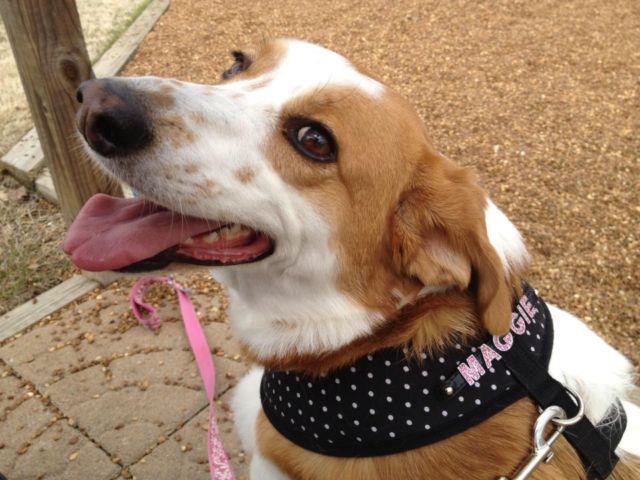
{"x": 25, "y": 158}
{"x": 44, "y": 186}
{"x": 25, "y": 161}
{"x": 47, "y": 42}
{"x": 45, "y": 304}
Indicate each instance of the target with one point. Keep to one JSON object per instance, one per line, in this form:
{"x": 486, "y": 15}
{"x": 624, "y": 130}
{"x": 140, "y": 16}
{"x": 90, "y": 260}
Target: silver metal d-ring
{"x": 566, "y": 422}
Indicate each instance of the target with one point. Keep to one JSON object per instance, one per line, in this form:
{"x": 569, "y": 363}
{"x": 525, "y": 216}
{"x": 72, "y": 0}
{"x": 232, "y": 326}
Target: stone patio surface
{"x": 90, "y": 394}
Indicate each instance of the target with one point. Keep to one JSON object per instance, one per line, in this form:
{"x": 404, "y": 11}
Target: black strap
{"x": 596, "y": 452}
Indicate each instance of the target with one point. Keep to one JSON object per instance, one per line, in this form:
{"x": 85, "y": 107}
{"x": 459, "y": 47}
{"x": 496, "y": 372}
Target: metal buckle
{"x": 541, "y": 447}
{"x": 567, "y": 422}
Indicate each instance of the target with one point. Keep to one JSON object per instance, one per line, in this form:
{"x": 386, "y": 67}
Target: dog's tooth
{"x": 188, "y": 241}
{"x": 225, "y": 232}
{"x": 212, "y": 237}
{"x": 236, "y": 229}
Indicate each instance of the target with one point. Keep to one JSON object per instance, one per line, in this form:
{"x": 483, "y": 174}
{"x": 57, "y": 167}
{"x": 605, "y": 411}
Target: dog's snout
{"x": 112, "y": 118}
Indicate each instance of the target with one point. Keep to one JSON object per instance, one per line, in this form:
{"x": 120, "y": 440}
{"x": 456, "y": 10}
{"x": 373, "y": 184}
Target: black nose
{"x": 112, "y": 119}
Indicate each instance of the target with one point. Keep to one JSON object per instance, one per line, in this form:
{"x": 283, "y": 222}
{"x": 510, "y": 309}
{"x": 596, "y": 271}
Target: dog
{"x": 311, "y": 190}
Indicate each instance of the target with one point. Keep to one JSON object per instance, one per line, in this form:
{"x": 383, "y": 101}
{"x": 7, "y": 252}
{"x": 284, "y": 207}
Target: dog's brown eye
{"x": 312, "y": 140}
{"x": 241, "y": 63}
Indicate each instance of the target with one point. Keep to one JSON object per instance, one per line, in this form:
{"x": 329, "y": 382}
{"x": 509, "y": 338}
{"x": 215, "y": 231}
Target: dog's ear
{"x": 439, "y": 238}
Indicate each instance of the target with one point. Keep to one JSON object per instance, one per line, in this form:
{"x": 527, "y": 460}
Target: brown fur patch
{"x": 209, "y": 184}
{"x": 175, "y": 130}
{"x": 207, "y": 188}
{"x": 245, "y": 174}
{"x": 497, "y": 446}
{"x": 167, "y": 88}
{"x": 161, "y": 99}
{"x": 191, "y": 168}
{"x": 389, "y": 193}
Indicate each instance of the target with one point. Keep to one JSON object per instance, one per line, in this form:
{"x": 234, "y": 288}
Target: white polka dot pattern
{"x": 386, "y": 402}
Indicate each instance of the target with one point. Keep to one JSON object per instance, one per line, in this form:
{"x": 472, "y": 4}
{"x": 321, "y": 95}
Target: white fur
{"x": 630, "y": 443}
{"x": 586, "y": 364}
{"x": 263, "y": 469}
{"x": 246, "y": 405}
{"x": 505, "y": 238}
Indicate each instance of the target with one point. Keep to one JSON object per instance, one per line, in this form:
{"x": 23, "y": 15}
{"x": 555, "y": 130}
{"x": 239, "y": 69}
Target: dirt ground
{"x": 31, "y": 231}
{"x": 102, "y": 22}
{"x": 542, "y": 98}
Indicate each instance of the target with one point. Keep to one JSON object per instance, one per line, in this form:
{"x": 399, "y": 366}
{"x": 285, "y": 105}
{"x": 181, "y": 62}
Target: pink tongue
{"x": 111, "y": 233}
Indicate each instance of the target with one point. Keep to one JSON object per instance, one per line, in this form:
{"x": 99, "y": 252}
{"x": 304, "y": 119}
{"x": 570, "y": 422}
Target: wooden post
{"x": 47, "y": 42}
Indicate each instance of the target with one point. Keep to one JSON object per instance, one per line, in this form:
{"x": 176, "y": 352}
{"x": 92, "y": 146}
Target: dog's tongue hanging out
{"x": 116, "y": 233}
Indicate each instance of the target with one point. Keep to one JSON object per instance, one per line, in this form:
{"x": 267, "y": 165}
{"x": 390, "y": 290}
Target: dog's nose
{"x": 112, "y": 118}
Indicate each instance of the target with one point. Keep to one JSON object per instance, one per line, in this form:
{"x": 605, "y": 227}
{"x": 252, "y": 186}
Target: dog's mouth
{"x": 135, "y": 234}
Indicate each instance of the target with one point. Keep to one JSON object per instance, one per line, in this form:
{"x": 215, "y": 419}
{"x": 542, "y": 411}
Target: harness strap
{"x": 146, "y": 314}
{"x": 596, "y": 452}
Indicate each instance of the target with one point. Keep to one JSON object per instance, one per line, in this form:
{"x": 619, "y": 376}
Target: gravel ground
{"x": 542, "y": 98}
{"x": 102, "y": 22}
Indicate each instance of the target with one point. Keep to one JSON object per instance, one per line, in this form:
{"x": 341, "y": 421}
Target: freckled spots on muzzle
{"x": 245, "y": 174}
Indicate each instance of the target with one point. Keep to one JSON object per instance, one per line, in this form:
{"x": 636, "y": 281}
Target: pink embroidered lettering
{"x": 523, "y": 314}
{"x": 489, "y": 355}
{"x": 518, "y": 326}
{"x": 503, "y": 343}
{"x": 471, "y": 372}
{"x": 530, "y": 309}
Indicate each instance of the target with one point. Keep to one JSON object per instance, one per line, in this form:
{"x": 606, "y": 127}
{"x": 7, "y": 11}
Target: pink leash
{"x": 148, "y": 316}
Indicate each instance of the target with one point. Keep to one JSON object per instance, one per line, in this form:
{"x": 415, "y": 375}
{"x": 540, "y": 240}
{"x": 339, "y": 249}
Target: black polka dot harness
{"x": 389, "y": 402}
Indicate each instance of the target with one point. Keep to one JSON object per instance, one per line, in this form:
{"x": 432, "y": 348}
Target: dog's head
{"x": 311, "y": 184}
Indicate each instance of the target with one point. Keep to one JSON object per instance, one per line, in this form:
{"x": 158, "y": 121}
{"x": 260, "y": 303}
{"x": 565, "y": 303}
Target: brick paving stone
{"x": 48, "y": 352}
{"x": 21, "y": 425}
{"x": 138, "y": 399}
{"x": 184, "y": 455}
{"x": 35, "y": 445}
{"x": 11, "y": 394}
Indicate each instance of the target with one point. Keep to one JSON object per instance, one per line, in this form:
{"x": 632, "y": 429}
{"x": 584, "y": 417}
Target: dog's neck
{"x": 430, "y": 324}
{"x": 294, "y": 310}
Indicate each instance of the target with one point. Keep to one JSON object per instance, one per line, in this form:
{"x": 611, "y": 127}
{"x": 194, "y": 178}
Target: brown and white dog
{"x": 316, "y": 187}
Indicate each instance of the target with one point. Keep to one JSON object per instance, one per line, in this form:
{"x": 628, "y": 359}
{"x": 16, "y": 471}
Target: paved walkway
{"x": 89, "y": 394}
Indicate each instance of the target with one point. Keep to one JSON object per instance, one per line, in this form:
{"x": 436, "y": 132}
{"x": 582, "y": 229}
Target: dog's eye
{"x": 241, "y": 63}
{"x": 312, "y": 140}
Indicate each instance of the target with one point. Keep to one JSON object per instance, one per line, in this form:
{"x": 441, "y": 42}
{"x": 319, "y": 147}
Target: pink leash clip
{"x": 148, "y": 316}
